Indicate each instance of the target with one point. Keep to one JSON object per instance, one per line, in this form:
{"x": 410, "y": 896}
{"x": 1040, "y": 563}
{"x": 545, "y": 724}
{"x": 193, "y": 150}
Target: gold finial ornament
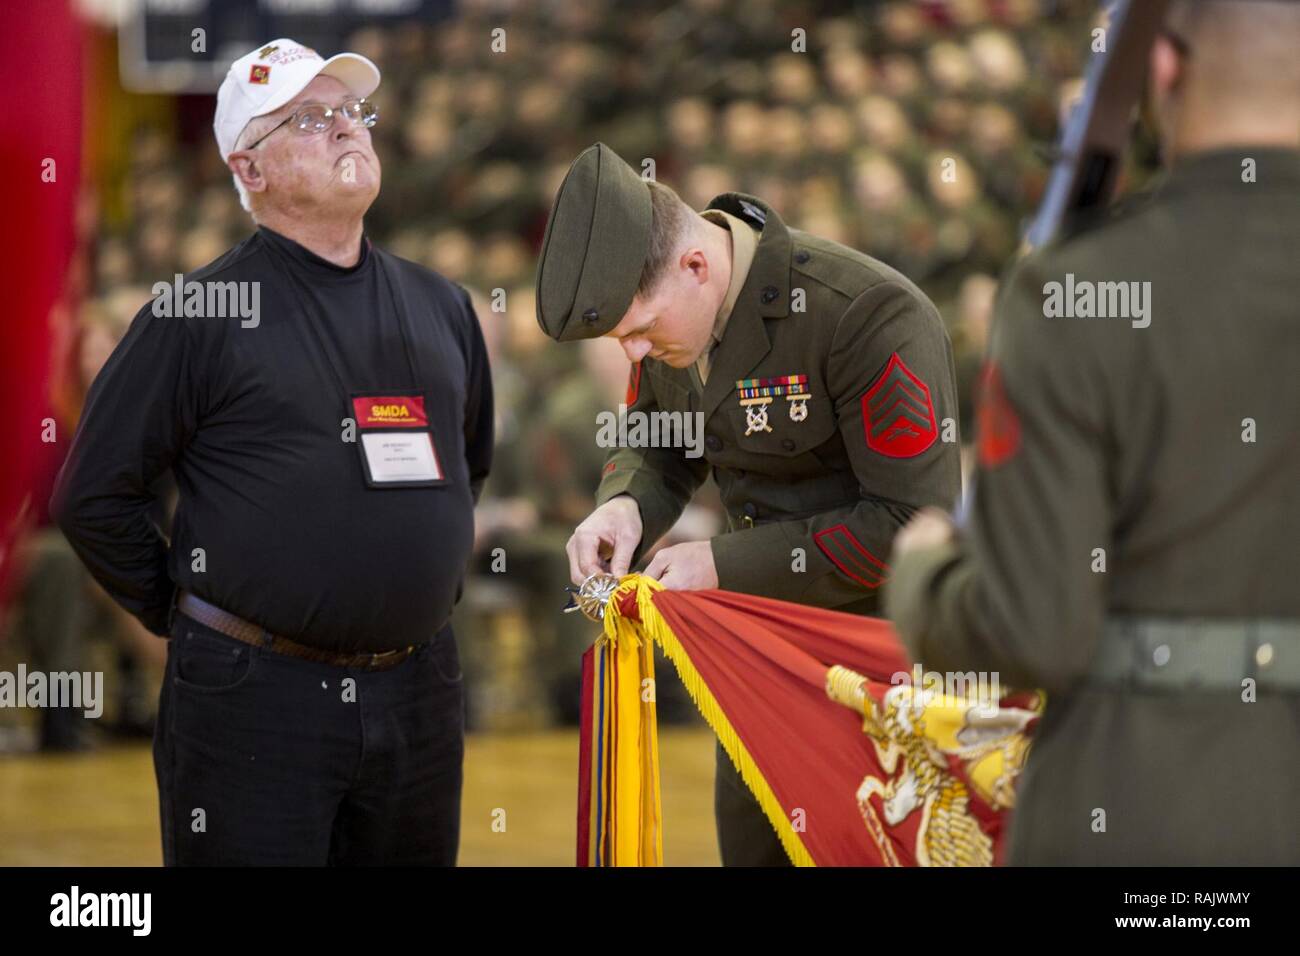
{"x": 592, "y": 596}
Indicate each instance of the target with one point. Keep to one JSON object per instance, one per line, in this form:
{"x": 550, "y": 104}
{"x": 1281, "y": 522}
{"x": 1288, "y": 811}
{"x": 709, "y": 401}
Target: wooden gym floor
{"x": 101, "y": 808}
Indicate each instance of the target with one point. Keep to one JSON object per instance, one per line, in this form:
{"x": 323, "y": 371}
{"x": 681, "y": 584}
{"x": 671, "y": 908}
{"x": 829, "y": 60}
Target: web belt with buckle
{"x": 1186, "y": 654}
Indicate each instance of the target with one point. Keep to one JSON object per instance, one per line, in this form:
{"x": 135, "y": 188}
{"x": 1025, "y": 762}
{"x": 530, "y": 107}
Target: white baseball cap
{"x": 264, "y": 80}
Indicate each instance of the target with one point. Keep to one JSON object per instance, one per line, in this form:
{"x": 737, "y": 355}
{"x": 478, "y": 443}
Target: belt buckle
{"x": 375, "y": 658}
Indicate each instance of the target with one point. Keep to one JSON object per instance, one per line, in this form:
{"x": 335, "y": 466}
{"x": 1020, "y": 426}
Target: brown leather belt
{"x": 236, "y": 627}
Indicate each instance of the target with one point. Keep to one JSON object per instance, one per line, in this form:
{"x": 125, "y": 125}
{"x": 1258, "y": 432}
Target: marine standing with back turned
{"x": 1132, "y": 542}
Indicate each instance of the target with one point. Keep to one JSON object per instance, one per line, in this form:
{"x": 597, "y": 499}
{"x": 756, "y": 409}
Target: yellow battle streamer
{"x": 625, "y": 633}
{"x": 630, "y": 760}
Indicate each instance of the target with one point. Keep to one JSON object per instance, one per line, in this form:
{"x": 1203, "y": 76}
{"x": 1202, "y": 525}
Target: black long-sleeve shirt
{"x": 250, "y": 418}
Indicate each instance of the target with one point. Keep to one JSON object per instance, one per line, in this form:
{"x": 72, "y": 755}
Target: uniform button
{"x": 1161, "y": 655}
{"x": 1264, "y": 655}
{"x": 713, "y": 443}
{"x": 590, "y": 316}
{"x": 801, "y": 257}
{"x": 750, "y": 510}
{"x": 787, "y": 444}
{"x": 769, "y": 294}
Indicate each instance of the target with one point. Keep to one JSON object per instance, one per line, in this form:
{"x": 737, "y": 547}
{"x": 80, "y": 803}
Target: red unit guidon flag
{"x": 856, "y": 757}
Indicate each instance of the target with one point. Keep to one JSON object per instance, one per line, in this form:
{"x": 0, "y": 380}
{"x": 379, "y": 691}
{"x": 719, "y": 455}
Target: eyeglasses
{"x": 317, "y": 118}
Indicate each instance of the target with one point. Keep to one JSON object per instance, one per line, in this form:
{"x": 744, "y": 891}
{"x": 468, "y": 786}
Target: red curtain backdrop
{"x": 41, "y": 73}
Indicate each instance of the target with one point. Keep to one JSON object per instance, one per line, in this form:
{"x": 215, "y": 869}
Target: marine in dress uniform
{"x": 1127, "y": 544}
{"x": 1132, "y": 539}
{"x": 827, "y": 397}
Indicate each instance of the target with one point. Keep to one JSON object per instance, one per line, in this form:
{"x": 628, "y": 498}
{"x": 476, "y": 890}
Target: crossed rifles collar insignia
{"x": 757, "y": 393}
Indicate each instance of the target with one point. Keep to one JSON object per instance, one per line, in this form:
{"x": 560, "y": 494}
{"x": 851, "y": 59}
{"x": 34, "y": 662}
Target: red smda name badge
{"x": 406, "y": 411}
{"x": 397, "y": 447}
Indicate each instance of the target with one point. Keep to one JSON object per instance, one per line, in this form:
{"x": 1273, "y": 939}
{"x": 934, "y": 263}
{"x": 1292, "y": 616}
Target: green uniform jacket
{"x": 1096, "y": 434}
{"x": 812, "y": 504}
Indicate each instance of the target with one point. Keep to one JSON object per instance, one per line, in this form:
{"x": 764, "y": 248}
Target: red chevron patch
{"x": 898, "y": 414}
{"x": 848, "y": 554}
{"x": 996, "y": 420}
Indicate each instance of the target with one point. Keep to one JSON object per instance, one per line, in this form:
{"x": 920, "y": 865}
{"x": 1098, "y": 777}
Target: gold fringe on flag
{"x": 623, "y": 632}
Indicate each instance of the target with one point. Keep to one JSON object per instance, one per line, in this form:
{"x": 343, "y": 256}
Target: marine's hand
{"x": 928, "y": 528}
{"x": 606, "y": 540}
{"x": 685, "y": 567}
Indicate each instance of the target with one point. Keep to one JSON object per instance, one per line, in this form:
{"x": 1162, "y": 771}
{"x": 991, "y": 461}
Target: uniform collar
{"x": 767, "y": 287}
{"x": 765, "y": 295}
{"x": 744, "y": 242}
{"x": 313, "y": 263}
{"x": 1274, "y": 167}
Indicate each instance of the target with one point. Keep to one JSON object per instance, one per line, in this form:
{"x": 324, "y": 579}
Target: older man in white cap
{"x": 326, "y": 409}
{"x": 304, "y": 181}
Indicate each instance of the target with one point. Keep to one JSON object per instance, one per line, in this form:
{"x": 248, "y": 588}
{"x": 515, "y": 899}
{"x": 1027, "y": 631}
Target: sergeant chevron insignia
{"x": 898, "y": 413}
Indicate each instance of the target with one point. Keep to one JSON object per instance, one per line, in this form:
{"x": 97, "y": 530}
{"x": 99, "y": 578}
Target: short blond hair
{"x": 670, "y": 222}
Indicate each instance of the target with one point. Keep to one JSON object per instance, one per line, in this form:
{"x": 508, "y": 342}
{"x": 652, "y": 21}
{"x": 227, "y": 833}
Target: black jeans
{"x": 264, "y": 759}
{"x": 745, "y": 835}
